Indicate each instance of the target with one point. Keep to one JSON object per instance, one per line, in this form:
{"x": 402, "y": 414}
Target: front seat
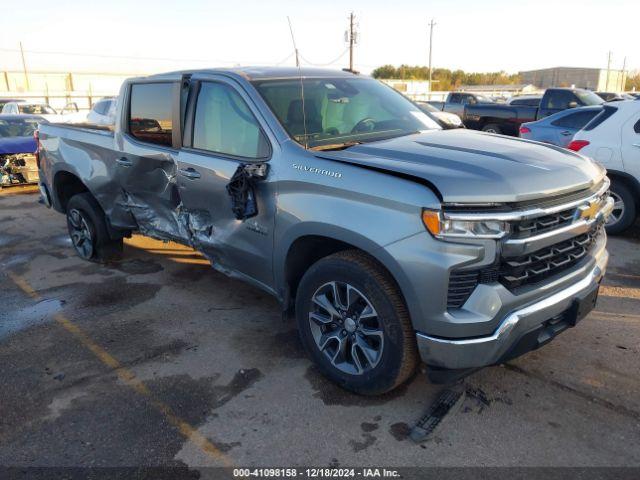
{"x": 295, "y": 119}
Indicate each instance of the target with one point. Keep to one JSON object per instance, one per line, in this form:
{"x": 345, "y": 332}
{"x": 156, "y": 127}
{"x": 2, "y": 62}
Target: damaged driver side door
{"x": 227, "y": 193}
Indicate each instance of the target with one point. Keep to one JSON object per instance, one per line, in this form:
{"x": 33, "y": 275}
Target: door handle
{"x": 636, "y": 145}
{"x": 124, "y": 162}
{"x": 565, "y": 133}
{"x": 189, "y": 173}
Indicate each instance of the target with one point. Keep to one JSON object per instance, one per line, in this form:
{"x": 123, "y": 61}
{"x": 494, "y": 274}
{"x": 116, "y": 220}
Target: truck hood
{"x": 475, "y": 167}
{"x": 11, "y": 145}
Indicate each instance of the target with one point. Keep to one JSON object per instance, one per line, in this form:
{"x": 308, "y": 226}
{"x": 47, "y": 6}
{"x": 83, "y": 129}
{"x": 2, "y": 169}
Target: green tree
{"x": 633, "y": 81}
{"x": 445, "y": 79}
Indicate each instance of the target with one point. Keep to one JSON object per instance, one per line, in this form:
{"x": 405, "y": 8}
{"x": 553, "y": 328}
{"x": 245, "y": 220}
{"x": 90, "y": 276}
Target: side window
{"x": 150, "y": 112}
{"x": 100, "y": 107}
{"x": 636, "y": 127}
{"x": 224, "y": 124}
{"x": 455, "y": 98}
{"x": 575, "y": 120}
{"x": 469, "y": 100}
{"x": 560, "y": 99}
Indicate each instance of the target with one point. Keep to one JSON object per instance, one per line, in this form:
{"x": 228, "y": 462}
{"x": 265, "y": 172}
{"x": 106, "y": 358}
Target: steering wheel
{"x": 367, "y": 124}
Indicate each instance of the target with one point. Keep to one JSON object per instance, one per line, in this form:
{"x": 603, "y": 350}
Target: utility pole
{"x": 431, "y": 25}
{"x": 608, "y": 70}
{"x": 352, "y": 38}
{"x": 24, "y": 67}
{"x": 622, "y": 79}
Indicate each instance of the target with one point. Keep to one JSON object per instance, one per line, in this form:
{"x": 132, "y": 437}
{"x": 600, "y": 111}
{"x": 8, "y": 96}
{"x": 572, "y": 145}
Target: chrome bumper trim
{"x": 529, "y": 213}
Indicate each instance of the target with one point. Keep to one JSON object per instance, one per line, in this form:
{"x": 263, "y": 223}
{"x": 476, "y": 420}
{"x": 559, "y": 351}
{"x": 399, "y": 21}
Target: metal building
{"x": 591, "y": 78}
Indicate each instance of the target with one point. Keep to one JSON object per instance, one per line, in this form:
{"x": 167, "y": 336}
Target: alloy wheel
{"x": 80, "y": 233}
{"x": 346, "y": 328}
{"x": 618, "y": 209}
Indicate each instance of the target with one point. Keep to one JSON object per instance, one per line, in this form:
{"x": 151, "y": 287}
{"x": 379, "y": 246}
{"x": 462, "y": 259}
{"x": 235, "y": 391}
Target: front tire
{"x": 624, "y": 209}
{"x": 88, "y": 230}
{"x": 354, "y": 324}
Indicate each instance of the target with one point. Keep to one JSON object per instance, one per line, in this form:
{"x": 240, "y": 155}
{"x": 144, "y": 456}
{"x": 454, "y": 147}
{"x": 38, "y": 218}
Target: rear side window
{"x": 606, "y": 112}
{"x": 150, "y": 112}
{"x": 636, "y": 127}
{"x": 455, "y": 98}
{"x": 575, "y": 120}
{"x": 101, "y": 107}
{"x": 224, "y": 124}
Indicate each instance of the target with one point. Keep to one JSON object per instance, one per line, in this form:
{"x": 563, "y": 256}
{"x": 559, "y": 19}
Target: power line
{"x": 335, "y": 60}
{"x": 124, "y": 57}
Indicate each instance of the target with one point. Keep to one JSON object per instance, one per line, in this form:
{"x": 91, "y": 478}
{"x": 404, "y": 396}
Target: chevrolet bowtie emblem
{"x": 589, "y": 211}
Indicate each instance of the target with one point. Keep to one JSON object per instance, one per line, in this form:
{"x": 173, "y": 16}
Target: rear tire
{"x": 364, "y": 340}
{"x": 492, "y": 128}
{"x": 624, "y": 210}
{"x": 88, "y": 230}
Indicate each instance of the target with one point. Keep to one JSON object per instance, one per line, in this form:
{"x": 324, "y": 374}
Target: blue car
{"x": 17, "y": 149}
{"x": 559, "y": 128}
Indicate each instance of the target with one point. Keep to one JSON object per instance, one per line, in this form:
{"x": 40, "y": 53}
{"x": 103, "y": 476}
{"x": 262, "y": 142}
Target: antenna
{"x": 304, "y": 114}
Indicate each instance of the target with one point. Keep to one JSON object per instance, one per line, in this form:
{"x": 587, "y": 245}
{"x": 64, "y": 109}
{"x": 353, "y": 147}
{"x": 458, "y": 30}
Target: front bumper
{"x": 515, "y": 330}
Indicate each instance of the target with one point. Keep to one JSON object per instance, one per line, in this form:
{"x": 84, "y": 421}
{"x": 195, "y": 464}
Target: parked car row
{"x": 479, "y": 113}
{"x": 101, "y": 112}
{"x": 19, "y": 119}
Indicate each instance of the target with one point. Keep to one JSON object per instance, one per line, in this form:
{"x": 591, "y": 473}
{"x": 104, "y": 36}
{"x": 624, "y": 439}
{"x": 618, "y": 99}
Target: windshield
{"x": 18, "y": 128}
{"x": 36, "y": 109}
{"x": 588, "y": 98}
{"x": 341, "y": 111}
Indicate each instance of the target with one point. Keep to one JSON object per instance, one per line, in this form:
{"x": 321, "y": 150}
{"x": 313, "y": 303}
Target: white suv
{"x": 612, "y": 139}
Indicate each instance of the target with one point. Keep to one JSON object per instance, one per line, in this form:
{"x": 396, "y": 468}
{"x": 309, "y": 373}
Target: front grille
{"x": 516, "y": 272}
{"x": 536, "y": 226}
{"x": 535, "y": 267}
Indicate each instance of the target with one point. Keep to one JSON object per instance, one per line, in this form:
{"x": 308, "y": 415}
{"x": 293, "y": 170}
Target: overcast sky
{"x": 474, "y": 35}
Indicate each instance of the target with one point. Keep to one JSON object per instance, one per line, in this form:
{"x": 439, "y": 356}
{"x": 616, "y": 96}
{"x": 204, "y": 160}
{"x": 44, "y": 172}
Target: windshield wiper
{"x": 335, "y": 146}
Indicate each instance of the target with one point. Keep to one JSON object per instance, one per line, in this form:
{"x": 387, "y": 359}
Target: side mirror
{"x": 573, "y": 104}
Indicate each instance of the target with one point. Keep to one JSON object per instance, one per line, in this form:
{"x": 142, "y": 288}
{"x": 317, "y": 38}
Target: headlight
{"x": 441, "y": 227}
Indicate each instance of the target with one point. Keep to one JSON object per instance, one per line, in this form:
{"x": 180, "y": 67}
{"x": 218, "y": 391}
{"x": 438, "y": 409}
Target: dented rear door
{"x": 223, "y": 137}
{"x": 146, "y": 169}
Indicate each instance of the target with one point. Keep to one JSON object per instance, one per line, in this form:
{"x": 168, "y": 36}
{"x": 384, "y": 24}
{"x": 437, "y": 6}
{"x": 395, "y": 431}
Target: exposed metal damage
{"x": 192, "y": 227}
{"x": 18, "y": 168}
{"x": 241, "y": 189}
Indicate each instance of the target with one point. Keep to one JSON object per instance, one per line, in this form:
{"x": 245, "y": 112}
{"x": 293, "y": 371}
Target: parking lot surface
{"x": 160, "y": 360}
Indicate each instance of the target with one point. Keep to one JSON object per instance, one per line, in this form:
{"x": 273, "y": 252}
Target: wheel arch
{"x": 317, "y": 242}
{"x": 627, "y": 179}
{"x": 66, "y": 184}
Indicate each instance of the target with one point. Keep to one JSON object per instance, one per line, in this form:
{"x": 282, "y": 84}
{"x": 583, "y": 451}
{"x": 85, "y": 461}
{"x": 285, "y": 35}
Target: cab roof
{"x": 263, "y": 73}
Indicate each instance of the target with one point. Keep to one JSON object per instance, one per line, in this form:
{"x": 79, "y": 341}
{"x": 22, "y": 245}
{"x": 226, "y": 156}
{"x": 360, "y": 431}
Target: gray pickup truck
{"x": 391, "y": 240}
